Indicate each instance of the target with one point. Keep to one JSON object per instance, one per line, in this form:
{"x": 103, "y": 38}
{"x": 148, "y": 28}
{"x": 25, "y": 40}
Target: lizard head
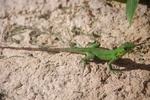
{"x": 127, "y": 46}
{"x": 123, "y": 49}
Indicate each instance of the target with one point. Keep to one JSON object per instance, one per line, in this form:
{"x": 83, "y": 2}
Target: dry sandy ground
{"x": 37, "y": 75}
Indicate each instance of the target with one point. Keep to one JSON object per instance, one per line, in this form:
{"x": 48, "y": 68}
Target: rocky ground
{"x": 37, "y": 75}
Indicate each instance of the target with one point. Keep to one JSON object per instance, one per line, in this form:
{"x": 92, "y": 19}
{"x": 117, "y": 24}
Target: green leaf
{"x": 130, "y": 9}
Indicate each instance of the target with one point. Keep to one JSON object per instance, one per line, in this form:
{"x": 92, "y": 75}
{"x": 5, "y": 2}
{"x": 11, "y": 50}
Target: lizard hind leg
{"x": 85, "y": 59}
{"x": 94, "y": 45}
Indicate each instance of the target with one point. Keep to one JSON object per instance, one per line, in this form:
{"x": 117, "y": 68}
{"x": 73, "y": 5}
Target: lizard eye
{"x": 126, "y": 48}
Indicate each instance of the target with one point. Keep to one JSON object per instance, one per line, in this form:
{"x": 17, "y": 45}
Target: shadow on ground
{"x": 128, "y": 64}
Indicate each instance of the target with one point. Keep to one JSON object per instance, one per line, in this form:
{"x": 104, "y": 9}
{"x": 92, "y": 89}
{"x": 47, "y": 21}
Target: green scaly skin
{"x": 93, "y": 50}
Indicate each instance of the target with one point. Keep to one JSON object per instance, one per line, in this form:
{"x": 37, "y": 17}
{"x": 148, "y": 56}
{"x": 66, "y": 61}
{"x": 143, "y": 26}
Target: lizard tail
{"x": 75, "y": 50}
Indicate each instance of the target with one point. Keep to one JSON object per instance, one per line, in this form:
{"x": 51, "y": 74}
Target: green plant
{"x": 130, "y": 9}
{"x": 131, "y": 6}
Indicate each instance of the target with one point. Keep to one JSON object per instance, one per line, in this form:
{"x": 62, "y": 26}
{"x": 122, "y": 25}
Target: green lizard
{"x": 91, "y": 51}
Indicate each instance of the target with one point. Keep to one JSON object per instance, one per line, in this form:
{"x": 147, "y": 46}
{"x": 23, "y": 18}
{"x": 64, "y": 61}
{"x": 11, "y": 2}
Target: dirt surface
{"x": 37, "y": 75}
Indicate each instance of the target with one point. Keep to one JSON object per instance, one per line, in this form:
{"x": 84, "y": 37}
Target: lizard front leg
{"x": 110, "y": 66}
